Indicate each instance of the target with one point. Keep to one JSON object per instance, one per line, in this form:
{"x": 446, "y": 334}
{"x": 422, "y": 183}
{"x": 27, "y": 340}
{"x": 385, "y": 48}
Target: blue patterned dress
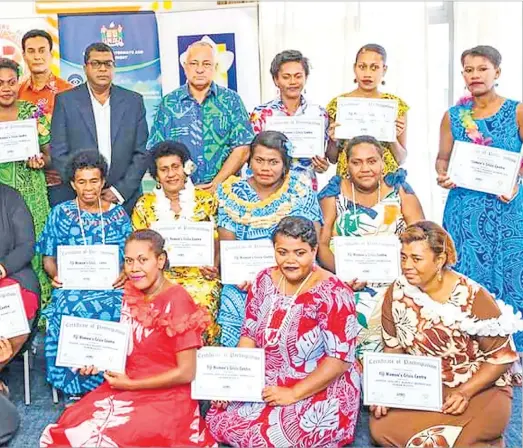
{"x": 63, "y": 229}
{"x": 241, "y": 212}
{"x": 487, "y": 232}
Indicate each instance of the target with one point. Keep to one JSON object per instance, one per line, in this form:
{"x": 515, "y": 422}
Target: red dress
{"x": 155, "y": 417}
{"x": 320, "y": 323}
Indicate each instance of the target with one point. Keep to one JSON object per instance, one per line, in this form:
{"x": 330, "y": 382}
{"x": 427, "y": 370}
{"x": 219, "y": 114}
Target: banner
{"x": 134, "y": 40}
{"x": 11, "y": 33}
{"x": 233, "y": 32}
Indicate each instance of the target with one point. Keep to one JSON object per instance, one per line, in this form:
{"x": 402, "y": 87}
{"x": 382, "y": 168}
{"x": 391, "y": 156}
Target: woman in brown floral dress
{"x": 433, "y": 311}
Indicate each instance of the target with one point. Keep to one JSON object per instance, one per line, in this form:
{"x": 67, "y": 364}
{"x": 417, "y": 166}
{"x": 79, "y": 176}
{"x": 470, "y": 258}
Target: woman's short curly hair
{"x": 86, "y": 159}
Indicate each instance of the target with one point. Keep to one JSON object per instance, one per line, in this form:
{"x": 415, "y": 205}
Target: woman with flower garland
{"x": 433, "y": 311}
{"x": 176, "y": 199}
{"x": 487, "y": 230}
{"x": 27, "y": 177}
{"x": 250, "y": 210}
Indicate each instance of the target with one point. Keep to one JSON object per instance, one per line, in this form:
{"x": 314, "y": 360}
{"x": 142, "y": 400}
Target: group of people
{"x": 314, "y": 327}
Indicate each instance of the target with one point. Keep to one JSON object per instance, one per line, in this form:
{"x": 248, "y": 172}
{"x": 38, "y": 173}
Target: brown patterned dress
{"x": 465, "y": 332}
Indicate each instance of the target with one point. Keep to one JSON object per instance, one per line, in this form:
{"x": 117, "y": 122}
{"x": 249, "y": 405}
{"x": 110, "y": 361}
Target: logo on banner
{"x": 225, "y": 51}
{"x": 113, "y": 35}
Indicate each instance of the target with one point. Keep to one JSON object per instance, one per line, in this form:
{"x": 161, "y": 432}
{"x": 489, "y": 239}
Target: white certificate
{"x": 93, "y": 267}
{"x": 13, "y": 320}
{"x": 375, "y": 259}
{"x": 92, "y": 342}
{"x": 18, "y": 140}
{"x": 187, "y": 243}
{"x": 229, "y": 374}
{"x": 366, "y": 116}
{"x": 241, "y": 261}
{"x": 402, "y": 381}
{"x": 484, "y": 168}
{"x": 307, "y": 134}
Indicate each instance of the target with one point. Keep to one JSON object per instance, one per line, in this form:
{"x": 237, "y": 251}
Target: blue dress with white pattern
{"x": 487, "y": 232}
{"x": 63, "y": 229}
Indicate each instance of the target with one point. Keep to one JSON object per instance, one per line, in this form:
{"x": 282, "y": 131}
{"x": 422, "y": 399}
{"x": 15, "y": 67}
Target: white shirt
{"x": 102, "y": 119}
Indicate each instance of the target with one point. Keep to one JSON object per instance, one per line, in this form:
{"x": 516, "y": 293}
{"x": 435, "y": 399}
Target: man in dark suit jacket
{"x": 98, "y": 114}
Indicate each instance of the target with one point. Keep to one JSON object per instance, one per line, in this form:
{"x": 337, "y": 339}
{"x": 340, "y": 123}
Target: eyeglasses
{"x": 206, "y": 65}
{"x": 97, "y": 64}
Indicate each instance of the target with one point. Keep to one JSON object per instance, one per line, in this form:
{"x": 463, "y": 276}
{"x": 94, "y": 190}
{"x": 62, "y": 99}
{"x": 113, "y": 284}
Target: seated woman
{"x": 149, "y": 405}
{"x": 433, "y": 311}
{"x": 10, "y": 420}
{"x": 87, "y": 220}
{"x": 17, "y": 239}
{"x": 250, "y": 210}
{"x": 365, "y": 204}
{"x": 175, "y": 198}
{"x": 304, "y": 318}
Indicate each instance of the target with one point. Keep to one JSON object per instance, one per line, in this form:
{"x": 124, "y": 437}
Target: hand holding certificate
{"x": 229, "y": 374}
{"x": 374, "y": 259}
{"x": 484, "y": 168}
{"x": 18, "y": 140}
{"x": 13, "y": 321}
{"x": 241, "y": 261}
{"x": 91, "y": 342}
{"x": 93, "y": 267}
{"x": 402, "y": 381}
{"x": 188, "y": 243}
{"x": 307, "y": 134}
{"x": 366, "y": 116}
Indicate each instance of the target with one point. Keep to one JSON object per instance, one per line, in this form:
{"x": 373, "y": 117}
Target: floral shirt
{"x": 210, "y": 130}
{"x": 276, "y": 108}
{"x": 466, "y": 331}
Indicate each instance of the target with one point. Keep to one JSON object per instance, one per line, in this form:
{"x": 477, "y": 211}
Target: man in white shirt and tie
{"x": 99, "y": 114}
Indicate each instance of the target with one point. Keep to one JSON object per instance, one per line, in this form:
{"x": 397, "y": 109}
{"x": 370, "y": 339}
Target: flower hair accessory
{"x": 287, "y": 145}
{"x": 189, "y": 167}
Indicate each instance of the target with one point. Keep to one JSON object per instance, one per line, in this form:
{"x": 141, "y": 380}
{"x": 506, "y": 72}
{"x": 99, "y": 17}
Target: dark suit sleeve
{"x": 59, "y": 145}
{"x": 24, "y": 236}
{"x": 133, "y": 176}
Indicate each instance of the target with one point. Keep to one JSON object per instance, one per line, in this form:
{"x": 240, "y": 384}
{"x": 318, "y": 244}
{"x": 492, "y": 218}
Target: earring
{"x": 440, "y": 277}
{"x": 383, "y": 82}
{"x": 496, "y": 85}
{"x": 355, "y": 81}
{"x": 158, "y": 186}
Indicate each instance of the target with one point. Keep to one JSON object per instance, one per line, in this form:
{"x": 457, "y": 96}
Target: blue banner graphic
{"x": 134, "y": 40}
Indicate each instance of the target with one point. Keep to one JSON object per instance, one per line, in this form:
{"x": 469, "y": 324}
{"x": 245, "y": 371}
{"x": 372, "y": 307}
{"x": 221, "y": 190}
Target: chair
{"x": 24, "y": 351}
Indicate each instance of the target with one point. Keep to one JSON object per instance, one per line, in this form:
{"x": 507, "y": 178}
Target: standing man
{"x": 40, "y": 88}
{"x": 209, "y": 119}
{"x": 99, "y": 114}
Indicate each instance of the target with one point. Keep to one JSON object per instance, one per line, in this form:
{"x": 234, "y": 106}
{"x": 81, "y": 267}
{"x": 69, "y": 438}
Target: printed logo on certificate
{"x": 94, "y": 267}
{"x": 366, "y": 116}
{"x": 484, "y": 168}
{"x": 13, "y": 320}
{"x": 187, "y": 243}
{"x": 242, "y": 261}
{"x": 402, "y": 381}
{"x": 307, "y": 134}
{"x": 18, "y": 140}
{"x": 374, "y": 259}
{"x": 92, "y": 342}
{"x": 229, "y": 374}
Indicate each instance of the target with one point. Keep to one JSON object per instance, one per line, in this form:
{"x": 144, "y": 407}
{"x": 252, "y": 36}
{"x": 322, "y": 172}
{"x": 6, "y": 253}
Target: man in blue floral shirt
{"x": 209, "y": 119}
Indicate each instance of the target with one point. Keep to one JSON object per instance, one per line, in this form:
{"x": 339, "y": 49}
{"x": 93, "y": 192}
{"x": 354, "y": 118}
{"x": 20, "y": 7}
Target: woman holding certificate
{"x": 370, "y": 68}
{"x": 25, "y": 173}
{"x": 289, "y": 71}
{"x": 251, "y": 209}
{"x": 78, "y": 225}
{"x": 176, "y": 200}
{"x": 150, "y": 404}
{"x": 304, "y": 319}
{"x": 487, "y": 229}
{"x": 366, "y": 204}
{"x": 434, "y": 311}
